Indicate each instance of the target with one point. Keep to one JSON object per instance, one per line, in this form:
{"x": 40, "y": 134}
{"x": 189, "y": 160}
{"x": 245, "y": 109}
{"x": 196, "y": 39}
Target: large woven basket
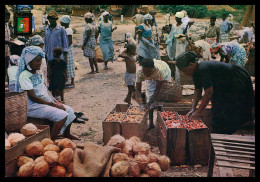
{"x": 16, "y": 108}
{"x": 170, "y": 92}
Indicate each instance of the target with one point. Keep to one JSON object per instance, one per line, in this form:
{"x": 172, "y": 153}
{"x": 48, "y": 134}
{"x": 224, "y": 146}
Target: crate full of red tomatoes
{"x": 198, "y": 139}
{"x": 171, "y": 136}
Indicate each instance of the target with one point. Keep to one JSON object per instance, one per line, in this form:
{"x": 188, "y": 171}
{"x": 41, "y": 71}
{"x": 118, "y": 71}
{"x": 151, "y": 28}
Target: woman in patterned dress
{"x": 89, "y": 41}
{"x": 230, "y": 51}
{"x": 65, "y": 21}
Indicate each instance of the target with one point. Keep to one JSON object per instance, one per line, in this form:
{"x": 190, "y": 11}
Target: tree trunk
{"x": 129, "y": 10}
{"x": 249, "y": 15}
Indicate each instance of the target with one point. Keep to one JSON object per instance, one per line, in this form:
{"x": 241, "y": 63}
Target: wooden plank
{"x": 233, "y": 151}
{"x": 235, "y": 138}
{"x": 233, "y": 143}
{"x": 18, "y": 149}
{"x": 234, "y": 147}
{"x": 234, "y": 155}
{"x": 234, "y": 160}
{"x": 222, "y": 164}
{"x": 224, "y": 172}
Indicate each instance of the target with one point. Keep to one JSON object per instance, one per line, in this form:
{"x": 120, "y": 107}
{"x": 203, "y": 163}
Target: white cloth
{"x": 44, "y": 71}
{"x": 185, "y": 20}
{"x": 167, "y": 18}
{"x": 12, "y": 71}
{"x": 206, "y": 55}
{"x": 69, "y": 31}
{"x": 179, "y": 15}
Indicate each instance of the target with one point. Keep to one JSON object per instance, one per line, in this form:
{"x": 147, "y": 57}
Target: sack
{"x": 99, "y": 55}
{"x": 170, "y": 92}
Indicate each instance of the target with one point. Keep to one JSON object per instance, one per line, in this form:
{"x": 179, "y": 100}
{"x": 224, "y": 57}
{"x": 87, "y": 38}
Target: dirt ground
{"x": 96, "y": 95}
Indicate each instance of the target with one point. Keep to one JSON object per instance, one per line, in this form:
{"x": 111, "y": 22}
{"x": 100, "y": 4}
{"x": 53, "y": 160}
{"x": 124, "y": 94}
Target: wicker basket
{"x": 170, "y": 92}
{"x": 16, "y": 108}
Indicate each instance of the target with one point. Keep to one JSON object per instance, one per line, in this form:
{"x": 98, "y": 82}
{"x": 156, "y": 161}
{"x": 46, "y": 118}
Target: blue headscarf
{"x": 36, "y": 40}
{"x": 65, "y": 19}
{"x": 28, "y": 54}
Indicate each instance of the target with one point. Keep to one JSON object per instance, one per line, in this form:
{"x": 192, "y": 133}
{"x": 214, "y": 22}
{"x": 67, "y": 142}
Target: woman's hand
{"x": 190, "y": 113}
{"x": 59, "y": 105}
{"x": 195, "y": 114}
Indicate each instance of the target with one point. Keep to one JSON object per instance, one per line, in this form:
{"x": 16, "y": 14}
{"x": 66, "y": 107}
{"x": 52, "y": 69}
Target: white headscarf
{"x": 184, "y": 12}
{"x": 179, "y": 15}
{"x": 105, "y": 13}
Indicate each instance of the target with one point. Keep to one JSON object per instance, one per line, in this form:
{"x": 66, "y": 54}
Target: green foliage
{"x": 201, "y": 11}
{"x": 60, "y": 8}
{"x": 89, "y": 132}
{"x": 105, "y": 7}
{"x": 194, "y": 11}
{"x": 238, "y": 14}
{"x": 242, "y": 7}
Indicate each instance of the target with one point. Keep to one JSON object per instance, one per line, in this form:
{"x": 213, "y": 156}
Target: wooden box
{"x": 198, "y": 144}
{"x": 172, "y": 141}
{"x": 134, "y": 129}
{"x": 17, "y": 150}
{"x": 112, "y": 128}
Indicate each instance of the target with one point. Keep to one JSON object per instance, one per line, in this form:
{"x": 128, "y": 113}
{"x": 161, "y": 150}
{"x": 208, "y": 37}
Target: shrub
{"x": 194, "y": 11}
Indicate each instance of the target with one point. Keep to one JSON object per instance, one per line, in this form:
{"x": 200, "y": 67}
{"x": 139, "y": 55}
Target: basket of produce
{"x": 16, "y": 107}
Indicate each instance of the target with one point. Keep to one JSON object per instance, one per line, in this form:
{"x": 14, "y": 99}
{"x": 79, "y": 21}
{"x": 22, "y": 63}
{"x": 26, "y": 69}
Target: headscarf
{"x": 147, "y": 17}
{"x": 215, "y": 47}
{"x": 185, "y": 58}
{"x": 65, "y": 19}
{"x": 88, "y": 15}
{"x": 184, "y": 12}
{"x": 105, "y": 13}
{"x": 28, "y": 54}
{"x": 15, "y": 59}
{"x": 179, "y": 15}
{"x": 36, "y": 40}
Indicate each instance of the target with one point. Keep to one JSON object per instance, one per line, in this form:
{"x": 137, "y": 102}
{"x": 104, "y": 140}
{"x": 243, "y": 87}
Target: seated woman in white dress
{"x": 41, "y": 104}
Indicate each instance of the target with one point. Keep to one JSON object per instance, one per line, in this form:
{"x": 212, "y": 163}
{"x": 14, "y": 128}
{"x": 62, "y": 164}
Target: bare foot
{"x": 97, "y": 71}
{"x": 92, "y": 72}
{"x": 105, "y": 68}
{"x": 73, "y": 137}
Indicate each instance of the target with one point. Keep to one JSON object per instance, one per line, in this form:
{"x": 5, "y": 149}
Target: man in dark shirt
{"x": 229, "y": 87}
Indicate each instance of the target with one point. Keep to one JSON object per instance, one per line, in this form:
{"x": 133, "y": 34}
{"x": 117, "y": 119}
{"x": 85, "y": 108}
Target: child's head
{"x": 57, "y": 51}
{"x": 167, "y": 29}
{"x": 213, "y": 19}
{"x": 131, "y": 48}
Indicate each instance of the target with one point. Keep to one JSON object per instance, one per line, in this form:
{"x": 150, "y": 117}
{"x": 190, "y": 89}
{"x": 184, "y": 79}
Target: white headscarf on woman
{"x": 179, "y": 15}
{"x": 147, "y": 17}
{"x": 28, "y": 54}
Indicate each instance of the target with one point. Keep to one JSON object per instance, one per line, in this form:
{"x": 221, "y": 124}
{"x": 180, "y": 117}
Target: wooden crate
{"x": 113, "y": 127}
{"x": 134, "y": 129}
{"x": 198, "y": 144}
{"x": 172, "y": 141}
{"x": 17, "y": 150}
{"x": 206, "y": 115}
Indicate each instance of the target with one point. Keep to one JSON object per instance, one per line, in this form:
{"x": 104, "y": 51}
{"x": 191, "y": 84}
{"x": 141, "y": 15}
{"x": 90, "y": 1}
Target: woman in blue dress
{"x": 106, "y": 43}
{"x": 146, "y": 47}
